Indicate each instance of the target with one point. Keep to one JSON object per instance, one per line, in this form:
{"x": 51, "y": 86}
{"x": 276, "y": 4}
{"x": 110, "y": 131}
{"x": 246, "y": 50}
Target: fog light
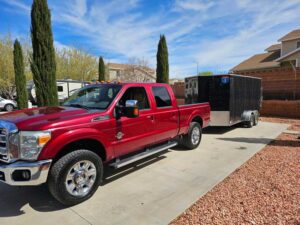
{"x": 21, "y": 175}
{"x": 26, "y": 174}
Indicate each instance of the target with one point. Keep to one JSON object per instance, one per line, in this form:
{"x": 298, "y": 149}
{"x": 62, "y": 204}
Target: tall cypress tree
{"x": 43, "y": 63}
{"x": 20, "y": 79}
{"x": 101, "y": 69}
{"x": 162, "y": 68}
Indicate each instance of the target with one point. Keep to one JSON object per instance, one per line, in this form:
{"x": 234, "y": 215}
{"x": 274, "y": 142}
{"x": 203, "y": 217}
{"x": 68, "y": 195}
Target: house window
{"x": 298, "y": 44}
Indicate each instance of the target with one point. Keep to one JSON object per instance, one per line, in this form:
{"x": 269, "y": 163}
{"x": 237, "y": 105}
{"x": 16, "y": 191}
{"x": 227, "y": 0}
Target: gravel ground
{"x": 265, "y": 190}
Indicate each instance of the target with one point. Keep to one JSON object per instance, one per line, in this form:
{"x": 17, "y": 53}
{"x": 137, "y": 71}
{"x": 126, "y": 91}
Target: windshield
{"x": 93, "y": 97}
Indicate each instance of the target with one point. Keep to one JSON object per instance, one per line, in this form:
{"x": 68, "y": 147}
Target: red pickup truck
{"x": 113, "y": 124}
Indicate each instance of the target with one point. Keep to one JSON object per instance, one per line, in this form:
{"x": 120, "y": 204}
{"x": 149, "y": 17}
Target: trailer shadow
{"x": 287, "y": 143}
{"x": 219, "y": 130}
{"x": 14, "y": 199}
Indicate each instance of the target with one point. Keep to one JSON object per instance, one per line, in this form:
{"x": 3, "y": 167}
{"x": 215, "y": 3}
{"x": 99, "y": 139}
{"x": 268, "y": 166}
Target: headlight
{"x": 31, "y": 143}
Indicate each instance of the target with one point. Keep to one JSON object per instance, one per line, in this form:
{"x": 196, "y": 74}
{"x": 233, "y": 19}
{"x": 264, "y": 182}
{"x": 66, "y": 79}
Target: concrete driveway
{"x": 153, "y": 191}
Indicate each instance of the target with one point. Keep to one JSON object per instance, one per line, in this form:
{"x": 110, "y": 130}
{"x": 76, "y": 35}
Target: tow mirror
{"x": 130, "y": 110}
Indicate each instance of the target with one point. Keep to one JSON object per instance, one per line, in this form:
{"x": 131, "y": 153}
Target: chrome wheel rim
{"x": 195, "y": 135}
{"x": 81, "y": 178}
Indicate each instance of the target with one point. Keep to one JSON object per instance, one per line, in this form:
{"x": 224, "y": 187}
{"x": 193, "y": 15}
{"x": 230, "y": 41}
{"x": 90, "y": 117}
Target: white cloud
{"x": 196, "y": 5}
{"x": 79, "y": 7}
{"x": 215, "y": 34}
{"x": 17, "y": 4}
{"x": 59, "y": 46}
{"x": 265, "y": 29}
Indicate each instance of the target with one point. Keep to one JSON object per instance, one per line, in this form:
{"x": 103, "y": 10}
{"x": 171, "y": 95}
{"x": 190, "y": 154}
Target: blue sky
{"x": 216, "y": 35}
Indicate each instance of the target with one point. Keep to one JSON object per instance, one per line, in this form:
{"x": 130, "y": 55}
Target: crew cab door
{"x": 166, "y": 114}
{"x": 132, "y": 134}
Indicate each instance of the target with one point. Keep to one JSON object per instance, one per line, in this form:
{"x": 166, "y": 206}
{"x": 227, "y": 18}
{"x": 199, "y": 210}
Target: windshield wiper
{"x": 78, "y": 106}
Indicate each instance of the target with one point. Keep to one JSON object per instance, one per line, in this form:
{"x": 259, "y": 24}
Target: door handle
{"x": 150, "y": 117}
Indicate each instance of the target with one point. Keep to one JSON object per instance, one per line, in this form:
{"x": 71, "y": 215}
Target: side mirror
{"x": 130, "y": 110}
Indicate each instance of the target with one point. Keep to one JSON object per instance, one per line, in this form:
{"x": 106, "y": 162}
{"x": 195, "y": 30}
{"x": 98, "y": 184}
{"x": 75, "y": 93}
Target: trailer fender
{"x": 246, "y": 115}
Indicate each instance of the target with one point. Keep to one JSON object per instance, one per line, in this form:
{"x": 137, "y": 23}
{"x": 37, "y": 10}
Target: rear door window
{"x": 162, "y": 97}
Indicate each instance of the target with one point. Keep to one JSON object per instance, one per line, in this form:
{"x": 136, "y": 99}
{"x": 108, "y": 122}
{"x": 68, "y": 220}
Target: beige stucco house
{"x": 285, "y": 53}
{"x": 129, "y": 73}
{"x": 290, "y": 48}
{"x": 279, "y": 68}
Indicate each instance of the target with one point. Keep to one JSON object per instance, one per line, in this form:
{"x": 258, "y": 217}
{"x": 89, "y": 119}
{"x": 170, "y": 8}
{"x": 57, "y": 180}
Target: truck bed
{"x": 187, "y": 111}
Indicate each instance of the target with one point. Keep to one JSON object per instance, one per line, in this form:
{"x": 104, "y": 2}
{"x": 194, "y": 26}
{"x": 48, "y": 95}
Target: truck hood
{"x": 47, "y": 117}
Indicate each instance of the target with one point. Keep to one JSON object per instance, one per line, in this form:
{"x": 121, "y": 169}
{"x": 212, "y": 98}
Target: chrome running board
{"x": 151, "y": 151}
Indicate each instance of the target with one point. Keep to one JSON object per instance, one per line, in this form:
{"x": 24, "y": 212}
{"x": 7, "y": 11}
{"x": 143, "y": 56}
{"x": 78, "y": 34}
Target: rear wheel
{"x": 193, "y": 138}
{"x": 9, "y": 107}
{"x": 75, "y": 177}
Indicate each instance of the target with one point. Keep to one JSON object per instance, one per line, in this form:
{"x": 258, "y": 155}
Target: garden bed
{"x": 265, "y": 190}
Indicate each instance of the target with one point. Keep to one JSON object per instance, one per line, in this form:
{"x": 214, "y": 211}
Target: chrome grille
{"x": 7, "y": 151}
{"x": 3, "y": 144}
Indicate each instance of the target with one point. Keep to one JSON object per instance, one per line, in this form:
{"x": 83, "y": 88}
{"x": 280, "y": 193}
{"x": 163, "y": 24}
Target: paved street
{"x": 153, "y": 191}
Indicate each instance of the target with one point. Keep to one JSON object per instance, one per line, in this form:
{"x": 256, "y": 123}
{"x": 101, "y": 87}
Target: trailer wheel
{"x": 75, "y": 177}
{"x": 255, "y": 120}
{"x": 251, "y": 122}
{"x": 193, "y": 138}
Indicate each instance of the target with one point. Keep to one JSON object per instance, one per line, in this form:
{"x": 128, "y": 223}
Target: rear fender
{"x": 196, "y": 113}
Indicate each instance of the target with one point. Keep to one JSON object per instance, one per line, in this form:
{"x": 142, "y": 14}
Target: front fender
{"x": 60, "y": 140}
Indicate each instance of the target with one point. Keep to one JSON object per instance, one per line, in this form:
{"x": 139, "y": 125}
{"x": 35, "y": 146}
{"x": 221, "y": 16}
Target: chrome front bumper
{"x": 38, "y": 172}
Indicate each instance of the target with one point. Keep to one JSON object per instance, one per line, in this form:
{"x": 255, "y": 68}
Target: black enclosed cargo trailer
{"x": 233, "y": 98}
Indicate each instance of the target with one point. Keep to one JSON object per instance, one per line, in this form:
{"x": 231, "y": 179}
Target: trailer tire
{"x": 255, "y": 120}
{"x": 251, "y": 122}
{"x": 193, "y": 138}
{"x": 87, "y": 168}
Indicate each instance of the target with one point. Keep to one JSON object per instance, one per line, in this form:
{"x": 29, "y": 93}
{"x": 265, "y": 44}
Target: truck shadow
{"x": 14, "y": 200}
{"x": 112, "y": 174}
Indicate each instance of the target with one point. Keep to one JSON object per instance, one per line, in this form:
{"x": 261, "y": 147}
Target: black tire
{"x": 58, "y": 175}
{"x": 255, "y": 120}
{"x": 251, "y": 122}
{"x": 9, "y": 107}
{"x": 186, "y": 140}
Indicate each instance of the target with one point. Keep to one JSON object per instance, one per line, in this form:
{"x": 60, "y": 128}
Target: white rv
{"x": 64, "y": 89}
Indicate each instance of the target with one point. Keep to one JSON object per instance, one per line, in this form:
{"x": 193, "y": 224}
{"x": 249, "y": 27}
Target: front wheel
{"x": 75, "y": 177}
{"x": 193, "y": 138}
